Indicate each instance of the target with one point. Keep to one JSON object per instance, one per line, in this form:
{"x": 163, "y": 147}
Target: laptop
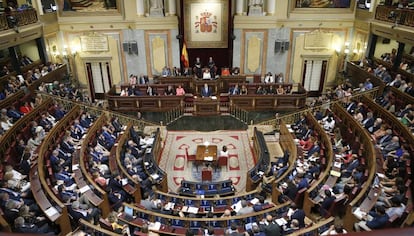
{"x": 128, "y": 213}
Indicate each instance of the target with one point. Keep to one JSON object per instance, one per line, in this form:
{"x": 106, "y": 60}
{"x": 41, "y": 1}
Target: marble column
{"x": 140, "y": 8}
{"x": 172, "y": 9}
{"x": 271, "y": 7}
{"x": 239, "y": 7}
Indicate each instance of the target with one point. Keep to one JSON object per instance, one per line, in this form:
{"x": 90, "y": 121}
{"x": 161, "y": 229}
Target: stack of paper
{"x": 154, "y": 226}
{"x": 51, "y": 211}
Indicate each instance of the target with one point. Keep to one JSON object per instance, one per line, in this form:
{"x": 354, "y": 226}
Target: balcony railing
{"x": 395, "y": 15}
{"x": 24, "y": 17}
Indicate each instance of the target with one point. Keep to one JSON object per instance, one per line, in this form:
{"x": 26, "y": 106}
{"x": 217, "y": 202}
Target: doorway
{"x": 314, "y": 73}
{"x": 99, "y": 78}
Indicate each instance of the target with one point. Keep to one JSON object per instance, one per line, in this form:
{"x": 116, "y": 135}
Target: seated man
{"x": 374, "y": 220}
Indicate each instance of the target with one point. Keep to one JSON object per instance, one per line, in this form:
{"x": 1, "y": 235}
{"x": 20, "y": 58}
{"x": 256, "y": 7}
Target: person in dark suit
{"x": 326, "y": 202}
{"x": 77, "y": 213}
{"x": 143, "y": 79}
{"x": 66, "y": 145}
{"x": 206, "y": 91}
{"x": 270, "y": 227}
{"x": 115, "y": 183}
{"x": 368, "y": 121}
{"x": 13, "y": 113}
{"x": 379, "y": 220}
{"x": 234, "y": 90}
{"x": 298, "y": 214}
{"x": 116, "y": 124}
{"x": 20, "y": 226}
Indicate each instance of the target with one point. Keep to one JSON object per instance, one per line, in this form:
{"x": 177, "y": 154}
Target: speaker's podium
{"x": 207, "y": 106}
{"x": 206, "y": 174}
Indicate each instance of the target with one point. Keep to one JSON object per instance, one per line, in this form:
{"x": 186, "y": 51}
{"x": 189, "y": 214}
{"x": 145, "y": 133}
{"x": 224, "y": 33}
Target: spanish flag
{"x": 184, "y": 56}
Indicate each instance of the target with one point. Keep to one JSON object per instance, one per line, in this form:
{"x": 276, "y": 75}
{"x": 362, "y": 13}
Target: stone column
{"x": 172, "y": 8}
{"x": 239, "y": 7}
{"x": 271, "y": 7}
{"x": 140, "y": 8}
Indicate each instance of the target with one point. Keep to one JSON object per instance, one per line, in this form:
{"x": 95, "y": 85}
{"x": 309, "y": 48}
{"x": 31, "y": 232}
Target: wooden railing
{"x": 262, "y": 159}
{"x": 47, "y": 144}
{"x": 115, "y": 164}
{"x": 169, "y": 229}
{"x": 18, "y": 128}
{"x": 287, "y": 142}
{"x": 326, "y": 145}
{"x": 395, "y": 15}
{"x": 84, "y": 165}
{"x": 369, "y": 154}
{"x": 24, "y": 17}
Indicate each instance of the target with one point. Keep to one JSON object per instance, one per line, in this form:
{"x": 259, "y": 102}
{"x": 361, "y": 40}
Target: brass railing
{"x": 174, "y": 114}
{"x": 24, "y": 17}
{"x": 395, "y": 15}
{"x": 292, "y": 117}
{"x": 239, "y": 113}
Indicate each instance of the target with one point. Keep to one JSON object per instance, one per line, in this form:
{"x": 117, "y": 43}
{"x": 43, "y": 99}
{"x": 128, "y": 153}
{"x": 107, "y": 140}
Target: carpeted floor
{"x": 173, "y": 158}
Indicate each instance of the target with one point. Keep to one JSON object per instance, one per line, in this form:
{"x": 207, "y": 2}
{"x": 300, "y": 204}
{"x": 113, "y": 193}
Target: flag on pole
{"x": 184, "y": 56}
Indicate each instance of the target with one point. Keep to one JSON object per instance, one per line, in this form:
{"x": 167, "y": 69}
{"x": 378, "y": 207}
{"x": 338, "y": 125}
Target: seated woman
{"x": 236, "y": 71}
{"x": 206, "y": 74}
{"x": 179, "y": 91}
{"x": 169, "y": 90}
{"x": 224, "y": 152}
{"x": 243, "y": 90}
{"x": 280, "y": 90}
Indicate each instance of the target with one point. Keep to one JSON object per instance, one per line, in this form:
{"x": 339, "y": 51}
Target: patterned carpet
{"x": 173, "y": 158}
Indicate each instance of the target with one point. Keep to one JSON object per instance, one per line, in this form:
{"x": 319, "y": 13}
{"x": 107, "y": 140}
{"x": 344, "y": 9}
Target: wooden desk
{"x": 203, "y": 152}
{"x": 206, "y": 106}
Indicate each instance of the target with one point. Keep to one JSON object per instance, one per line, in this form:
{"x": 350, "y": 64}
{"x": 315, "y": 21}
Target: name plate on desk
{"x": 94, "y": 43}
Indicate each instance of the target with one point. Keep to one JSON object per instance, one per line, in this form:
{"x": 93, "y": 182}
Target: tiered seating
{"x": 85, "y": 165}
{"x": 114, "y": 166}
{"x": 192, "y": 189}
{"x": 176, "y": 225}
{"x": 350, "y": 130}
{"x": 21, "y": 130}
{"x": 325, "y": 161}
{"x": 262, "y": 160}
{"x": 44, "y": 173}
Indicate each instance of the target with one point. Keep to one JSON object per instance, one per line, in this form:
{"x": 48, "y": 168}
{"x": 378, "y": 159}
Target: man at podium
{"x": 206, "y": 91}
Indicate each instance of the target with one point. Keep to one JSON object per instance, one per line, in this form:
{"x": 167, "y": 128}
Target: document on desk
{"x": 51, "y": 211}
{"x": 281, "y": 221}
{"x": 154, "y": 226}
{"x": 237, "y": 206}
{"x": 335, "y": 173}
{"x": 75, "y": 167}
{"x": 84, "y": 189}
{"x": 193, "y": 210}
{"x": 358, "y": 213}
{"x": 337, "y": 164}
{"x": 155, "y": 176}
{"x": 208, "y": 158}
{"x": 169, "y": 206}
{"x": 124, "y": 181}
{"x": 254, "y": 201}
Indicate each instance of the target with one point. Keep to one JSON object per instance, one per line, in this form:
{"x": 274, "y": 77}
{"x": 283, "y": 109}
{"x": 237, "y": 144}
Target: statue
{"x": 156, "y": 4}
{"x": 156, "y": 8}
{"x": 255, "y": 7}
